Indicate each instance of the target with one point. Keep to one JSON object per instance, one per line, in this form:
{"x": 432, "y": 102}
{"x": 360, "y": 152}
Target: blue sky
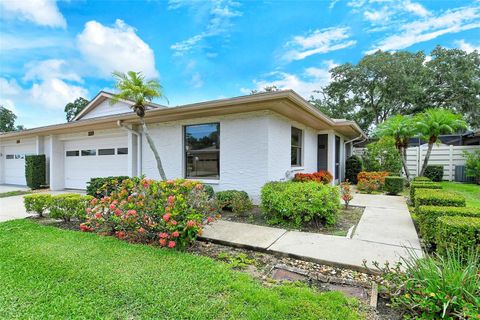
{"x": 51, "y": 51}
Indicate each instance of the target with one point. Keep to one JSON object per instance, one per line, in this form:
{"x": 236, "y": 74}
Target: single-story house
{"x": 236, "y": 143}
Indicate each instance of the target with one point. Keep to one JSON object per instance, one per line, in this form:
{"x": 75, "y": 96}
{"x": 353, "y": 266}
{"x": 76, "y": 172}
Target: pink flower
{"x": 163, "y": 235}
{"x": 170, "y": 181}
{"x": 175, "y": 234}
{"x": 141, "y": 230}
{"x": 199, "y": 186}
{"x": 112, "y": 207}
{"x": 166, "y": 217}
{"x": 171, "y": 199}
{"x": 120, "y": 234}
{"x": 210, "y": 219}
{"x": 171, "y": 244}
{"x": 173, "y": 222}
{"x": 88, "y": 210}
{"x": 98, "y": 215}
{"x": 131, "y": 212}
{"x": 191, "y": 224}
{"x": 118, "y": 212}
{"x": 115, "y": 202}
{"x": 94, "y": 201}
{"x": 162, "y": 242}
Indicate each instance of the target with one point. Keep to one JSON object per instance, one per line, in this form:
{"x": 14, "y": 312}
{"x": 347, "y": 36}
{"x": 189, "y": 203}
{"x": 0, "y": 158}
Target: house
{"x": 237, "y": 143}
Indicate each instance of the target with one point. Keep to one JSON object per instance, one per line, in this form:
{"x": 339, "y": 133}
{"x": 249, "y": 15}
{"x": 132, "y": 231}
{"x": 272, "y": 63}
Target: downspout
{"x": 139, "y": 145}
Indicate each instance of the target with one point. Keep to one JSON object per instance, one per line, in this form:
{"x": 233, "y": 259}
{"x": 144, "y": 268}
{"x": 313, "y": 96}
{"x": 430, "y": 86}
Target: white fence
{"x": 447, "y": 156}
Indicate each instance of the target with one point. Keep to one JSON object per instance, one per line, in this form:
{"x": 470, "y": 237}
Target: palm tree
{"x": 133, "y": 86}
{"x": 434, "y": 122}
{"x": 401, "y": 128}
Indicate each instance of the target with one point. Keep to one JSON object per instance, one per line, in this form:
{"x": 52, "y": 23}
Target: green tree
{"x": 435, "y": 122}
{"x": 74, "y": 108}
{"x": 401, "y": 129}
{"x": 382, "y": 155}
{"x": 454, "y": 82}
{"x": 271, "y": 88}
{"x": 7, "y": 120}
{"x": 133, "y": 86}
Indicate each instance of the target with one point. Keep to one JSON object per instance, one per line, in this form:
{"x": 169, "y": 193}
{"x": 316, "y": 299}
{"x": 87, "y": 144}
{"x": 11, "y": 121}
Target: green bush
{"x": 382, "y": 155}
{"x": 101, "y": 187}
{"x": 422, "y": 185}
{"x": 234, "y": 200}
{"x": 472, "y": 164}
{"x": 394, "y": 185}
{"x": 35, "y": 170}
{"x": 422, "y": 179}
{"x": 300, "y": 202}
{"x": 209, "y": 190}
{"x": 434, "y": 172}
{"x": 69, "y": 205}
{"x": 458, "y": 233}
{"x": 38, "y": 203}
{"x": 428, "y": 197}
{"x": 427, "y": 217}
{"x": 353, "y": 166}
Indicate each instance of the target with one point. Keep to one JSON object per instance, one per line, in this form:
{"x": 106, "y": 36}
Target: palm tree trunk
{"x": 151, "y": 143}
{"x": 427, "y": 157}
{"x": 403, "y": 157}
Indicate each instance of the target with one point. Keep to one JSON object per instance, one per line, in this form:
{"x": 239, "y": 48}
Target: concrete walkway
{"x": 385, "y": 233}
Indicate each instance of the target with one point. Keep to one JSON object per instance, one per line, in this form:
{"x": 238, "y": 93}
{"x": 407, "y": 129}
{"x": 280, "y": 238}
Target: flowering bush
{"x": 170, "y": 213}
{"x": 371, "y": 181}
{"x": 346, "y": 192}
{"x": 321, "y": 176}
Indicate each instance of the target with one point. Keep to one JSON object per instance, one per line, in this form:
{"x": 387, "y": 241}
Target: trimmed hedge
{"x": 427, "y": 217}
{"x": 428, "y": 197}
{"x": 394, "y": 185}
{"x": 353, "y": 166}
{"x": 234, "y": 200}
{"x": 422, "y": 185}
{"x": 300, "y": 203}
{"x": 458, "y": 233}
{"x": 101, "y": 187}
{"x": 434, "y": 172}
{"x": 69, "y": 205}
{"x": 35, "y": 170}
{"x": 422, "y": 179}
{"x": 38, "y": 203}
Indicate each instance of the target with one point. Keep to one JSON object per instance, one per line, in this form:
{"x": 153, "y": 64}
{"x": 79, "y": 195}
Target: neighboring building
{"x": 238, "y": 143}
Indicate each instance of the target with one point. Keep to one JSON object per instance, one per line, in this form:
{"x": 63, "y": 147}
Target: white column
{"x": 132, "y": 154}
{"x": 2, "y": 164}
{"x": 39, "y": 148}
{"x": 57, "y": 161}
{"x": 331, "y": 155}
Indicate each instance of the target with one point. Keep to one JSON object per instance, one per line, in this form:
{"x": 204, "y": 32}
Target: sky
{"x": 52, "y": 52}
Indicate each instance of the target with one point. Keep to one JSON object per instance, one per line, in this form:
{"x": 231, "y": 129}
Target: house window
{"x": 202, "y": 151}
{"x": 297, "y": 141}
{"x": 73, "y": 153}
{"x": 91, "y": 152}
{"x": 10, "y": 156}
{"x": 122, "y": 150}
{"x": 106, "y": 152}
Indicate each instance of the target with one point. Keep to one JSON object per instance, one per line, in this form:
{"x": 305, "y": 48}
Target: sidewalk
{"x": 385, "y": 233}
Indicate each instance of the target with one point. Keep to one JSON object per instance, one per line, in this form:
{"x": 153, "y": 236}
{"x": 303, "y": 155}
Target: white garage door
{"x": 15, "y": 163}
{"x": 94, "y": 157}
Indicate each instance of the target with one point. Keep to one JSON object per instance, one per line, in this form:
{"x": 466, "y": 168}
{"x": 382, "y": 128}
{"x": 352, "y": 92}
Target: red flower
{"x": 120, "y": 234}
{"x": 131, "y": 213}
{"x": 98, "y": 215}
{"x": 210, "y": 219}
{"x": 171, "y": 199}
{"x": 175, "y": 234}
{"x": 163, "y": 235}
{"x": 171, "y": 244}
{"x": 141, "y": 230}
{"x": 162, "y": 242}
{"x": 166, "y": 217}
{"x": 191, "y": 224}
{"x": 112, "y": 207}
{"x": 94, "y": 201}
{"x": 173, "y": 222}
{"x": 118, "y": 212}
{"x": 84, "y": 228}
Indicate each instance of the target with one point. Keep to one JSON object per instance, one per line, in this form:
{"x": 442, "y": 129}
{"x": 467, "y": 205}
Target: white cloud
{"x": 55, "y": 93}
{"x": 451, "y": 21}
{"x": 116, "y": 48}
{"x": 318, "y": 42}
{"x": 9, "y": 104}
{"x": 377, "y": 15}
{"x": 53, "y": 68}
{"x": 220, "y": 14}
{"x": 468, "y": 47}
{"x": 41, "y": 12}
{"x": 9, "y": 87}
{"x": 196, "y": 80}
{"x": 26, "y": 42}
{"x": 311, "y": 79}
{"x": 415, "y": 8}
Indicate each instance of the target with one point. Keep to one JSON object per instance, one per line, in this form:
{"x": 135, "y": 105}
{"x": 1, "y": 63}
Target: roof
{"x": 286, "y": 102}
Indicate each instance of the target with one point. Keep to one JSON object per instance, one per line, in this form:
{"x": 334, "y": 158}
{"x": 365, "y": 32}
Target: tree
{"x": 271, "y": 88}
{"x": 133, "y": 86}
{"x": 401, "y": 129}
{"x": 74, "y": 108}
{"x": 435, "y": 122}
{"x": 382, "y": 155}
{"x": 7, "y": 120}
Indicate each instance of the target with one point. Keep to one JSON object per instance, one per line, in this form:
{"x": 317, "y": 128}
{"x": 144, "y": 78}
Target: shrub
{"x": 353, "y": 166}
{"x": 35, "y": 166}
{"x": 101, "y": 187}
{"x": 394, "y": 185}
{"x": 209, "y": 190}
{"x": 428, "y": 197}
{"x": 472, "y": 164}
{"x": 422, "y": 185}
{"x": 436, "y": 287}
{"x": 234, "y": 200}
{"x": 382, "y": 155}
{"x": 321, "y": 176}
{"x": 434, "y": 172}
{"x": 422, "y": 179}
{"x": 169, "y": 213}
{"x": 69, "y": 205}
{"x": 300, "y": 202}
{"x": 458, "y": 233}
{"x": 368, "y": 186}
{"x": 38, "y": 203}
{"x": 427, "y": 217}
{"x": 371, "y": 181}
{"x": 346, "y": 193}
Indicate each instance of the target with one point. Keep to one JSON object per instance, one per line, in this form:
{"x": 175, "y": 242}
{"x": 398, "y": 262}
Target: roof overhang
{"x": 286, "y": 103}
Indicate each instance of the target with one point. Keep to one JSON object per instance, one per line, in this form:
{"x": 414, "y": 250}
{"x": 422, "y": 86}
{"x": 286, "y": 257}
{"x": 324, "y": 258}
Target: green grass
{"x": 471, "y": 192}
{"x": 47, "y": 272}
{"x": 13, "y": 193}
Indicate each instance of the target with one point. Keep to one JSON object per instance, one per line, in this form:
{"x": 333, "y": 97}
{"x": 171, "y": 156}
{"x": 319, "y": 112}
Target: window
{"x": 91, "y": 152}
{"x": 106, "y": 152}
{"x": 122, "y": 150}
{"x": 10, "y": 156}
{"x": 74, "y": 153}
{"x": 297, "y": 141}
{"x": 202, "y": 151}
{"x": 19, "y": 156}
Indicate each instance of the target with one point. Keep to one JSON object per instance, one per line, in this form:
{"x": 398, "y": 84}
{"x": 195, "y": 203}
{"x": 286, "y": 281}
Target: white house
{"x": 237, "y": 143}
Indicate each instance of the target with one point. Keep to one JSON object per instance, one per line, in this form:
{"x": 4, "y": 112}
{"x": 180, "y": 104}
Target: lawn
{"x": 47, "y": 272}
{"x": 470, "y": 191}
{"x": 13, "y": 193}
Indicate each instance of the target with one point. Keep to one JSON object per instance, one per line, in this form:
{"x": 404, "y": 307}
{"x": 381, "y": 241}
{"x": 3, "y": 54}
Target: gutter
{"x": 352, "y": 140}
{"x": 139, "y": 145}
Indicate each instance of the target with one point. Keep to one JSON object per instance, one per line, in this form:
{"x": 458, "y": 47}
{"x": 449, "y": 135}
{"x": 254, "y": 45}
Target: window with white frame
{"x": 296, "y": 147}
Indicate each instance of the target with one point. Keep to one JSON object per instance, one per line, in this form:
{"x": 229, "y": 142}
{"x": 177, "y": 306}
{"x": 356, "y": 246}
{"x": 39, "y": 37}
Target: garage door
{"x": 94, "y": 157}
{"x": 15, "y": 163}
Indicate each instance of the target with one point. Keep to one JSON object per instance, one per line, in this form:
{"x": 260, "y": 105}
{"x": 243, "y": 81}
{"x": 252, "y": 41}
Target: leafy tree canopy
{"x": 7, "y": 121}
{"x": 74, "y": 108}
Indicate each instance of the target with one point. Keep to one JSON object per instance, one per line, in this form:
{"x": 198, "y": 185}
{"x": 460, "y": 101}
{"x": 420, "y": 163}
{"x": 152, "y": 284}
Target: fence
{"x": 449, "y": 157}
